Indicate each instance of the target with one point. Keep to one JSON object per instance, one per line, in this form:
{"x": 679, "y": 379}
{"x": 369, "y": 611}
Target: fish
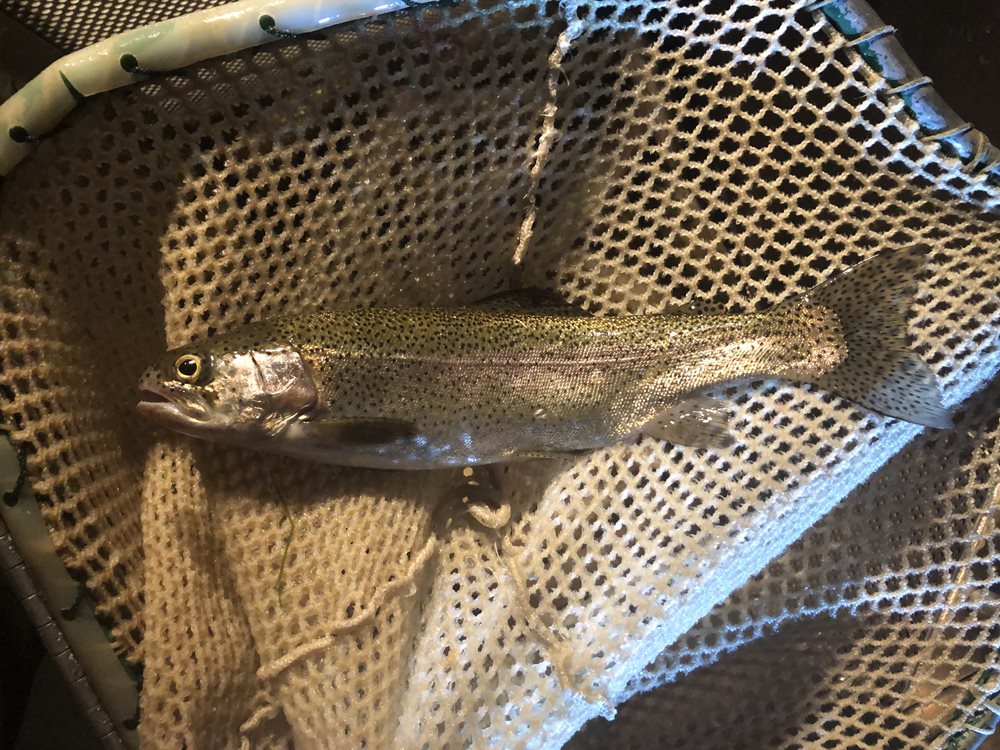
{"x": 525, "y": 374}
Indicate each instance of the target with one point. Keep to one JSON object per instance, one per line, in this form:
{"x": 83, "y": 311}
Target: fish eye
{"x": 188, "y": 367}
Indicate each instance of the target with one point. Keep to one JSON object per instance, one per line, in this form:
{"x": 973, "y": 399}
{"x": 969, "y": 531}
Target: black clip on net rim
{"x": 432, "y": 3}
{"x": 13, "y": 495}
{"x": 73, "y": 610}
{"x": 20, "y": 134}
{"x": 132, "y": 722}
{"x": 270, "y": 26}
{"x": 130, "y": 64}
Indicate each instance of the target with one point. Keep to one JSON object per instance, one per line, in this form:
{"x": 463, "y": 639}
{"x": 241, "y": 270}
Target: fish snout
{"x": 149, "y": 376}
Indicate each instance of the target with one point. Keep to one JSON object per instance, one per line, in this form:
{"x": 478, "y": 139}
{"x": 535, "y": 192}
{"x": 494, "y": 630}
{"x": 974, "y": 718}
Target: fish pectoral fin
{"x": 358, "y": 431}
{"x": 697, "y": 421}
{"x": 275, "y": 424}
{"x": 531, "y": 300}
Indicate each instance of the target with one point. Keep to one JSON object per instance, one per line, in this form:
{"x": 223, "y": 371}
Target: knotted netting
{"x": 632, "y": 156}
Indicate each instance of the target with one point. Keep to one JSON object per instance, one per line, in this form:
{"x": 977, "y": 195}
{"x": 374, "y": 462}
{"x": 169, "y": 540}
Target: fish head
{"x": 229, "y": 393}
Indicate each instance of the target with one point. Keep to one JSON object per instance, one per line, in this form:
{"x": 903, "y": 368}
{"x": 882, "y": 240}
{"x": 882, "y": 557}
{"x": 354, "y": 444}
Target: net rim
{"x": 39, "y": 108}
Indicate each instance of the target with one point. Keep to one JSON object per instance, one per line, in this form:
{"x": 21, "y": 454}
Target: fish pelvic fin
{"x": 881, "y": 371}
{"x": 696, "y": 420}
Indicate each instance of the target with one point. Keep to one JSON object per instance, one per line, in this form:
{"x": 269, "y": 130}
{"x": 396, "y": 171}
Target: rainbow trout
{"x": 524, "y": 374}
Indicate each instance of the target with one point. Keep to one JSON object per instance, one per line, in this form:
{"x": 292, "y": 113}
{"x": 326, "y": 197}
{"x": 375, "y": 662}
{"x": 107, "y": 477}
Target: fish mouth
{"x": 151, "y": 396}
{"x": 171, "y": 409}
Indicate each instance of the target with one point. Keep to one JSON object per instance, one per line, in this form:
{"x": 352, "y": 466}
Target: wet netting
{"x": 826, "y": 581}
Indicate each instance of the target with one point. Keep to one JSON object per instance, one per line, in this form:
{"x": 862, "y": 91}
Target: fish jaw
{"x": 160, "y": 405}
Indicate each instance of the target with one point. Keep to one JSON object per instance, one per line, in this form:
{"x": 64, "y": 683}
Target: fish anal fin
{"x": 697, "y": 421}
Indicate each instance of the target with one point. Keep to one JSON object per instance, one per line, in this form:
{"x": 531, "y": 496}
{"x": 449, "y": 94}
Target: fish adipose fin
{"x": 881, "y": 371}
{"x": 697, "y": 307}
{"x": 697, "y": 421}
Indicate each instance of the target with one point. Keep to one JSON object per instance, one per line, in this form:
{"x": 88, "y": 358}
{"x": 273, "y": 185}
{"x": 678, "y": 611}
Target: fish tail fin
{"x": 881, "y": 370}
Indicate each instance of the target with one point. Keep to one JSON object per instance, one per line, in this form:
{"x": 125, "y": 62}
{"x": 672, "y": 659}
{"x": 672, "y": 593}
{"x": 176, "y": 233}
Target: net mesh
{"x": 631, "y": 156}
{"x": 878, "y": 626}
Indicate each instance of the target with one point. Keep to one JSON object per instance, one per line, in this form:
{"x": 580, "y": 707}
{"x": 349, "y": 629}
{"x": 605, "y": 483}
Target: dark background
{"x": 955, "y": 42}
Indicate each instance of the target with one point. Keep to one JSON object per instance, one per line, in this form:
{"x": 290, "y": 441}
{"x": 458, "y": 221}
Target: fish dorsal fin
{"x": 530, "y": 300}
